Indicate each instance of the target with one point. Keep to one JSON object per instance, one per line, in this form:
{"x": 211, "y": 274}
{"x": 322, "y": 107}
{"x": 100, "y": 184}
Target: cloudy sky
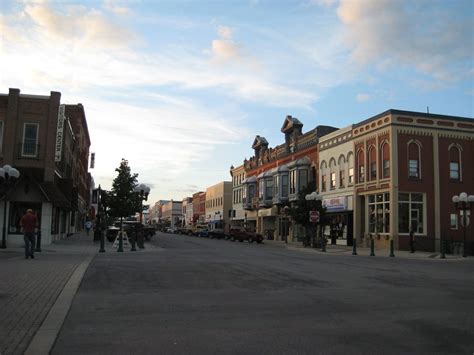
{"x": 181, "y": 88}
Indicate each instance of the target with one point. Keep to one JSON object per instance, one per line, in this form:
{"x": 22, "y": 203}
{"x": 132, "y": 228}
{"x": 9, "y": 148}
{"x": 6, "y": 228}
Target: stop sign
{"x": 314, "y": 216}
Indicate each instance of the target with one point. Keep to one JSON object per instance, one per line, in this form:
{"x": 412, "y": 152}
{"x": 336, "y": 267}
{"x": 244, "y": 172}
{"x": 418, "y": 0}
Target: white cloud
{"x": 362, "y": 97}
{"x": 393, "y": 33}
{"x": 116, "y": 7}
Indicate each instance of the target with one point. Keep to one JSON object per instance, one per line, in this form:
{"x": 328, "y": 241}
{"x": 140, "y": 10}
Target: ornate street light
{"x": 315, "y": 196}
{"x": 464, "y": 204}
{"x": 8, "y": 176}
{"x": 143, "y": 191}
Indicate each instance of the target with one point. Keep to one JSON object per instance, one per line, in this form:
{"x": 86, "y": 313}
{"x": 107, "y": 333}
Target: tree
{"x": 300, "y": 209}
{"x": 122, "y": 200}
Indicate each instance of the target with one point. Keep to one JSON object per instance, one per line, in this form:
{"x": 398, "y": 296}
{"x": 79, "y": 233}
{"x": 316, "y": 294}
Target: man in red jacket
{"x": 29, "y": 223}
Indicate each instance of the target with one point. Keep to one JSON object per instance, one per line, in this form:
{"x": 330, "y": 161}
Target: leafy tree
{"x": 122, "y": 201}
{"x": 299, "y": 210}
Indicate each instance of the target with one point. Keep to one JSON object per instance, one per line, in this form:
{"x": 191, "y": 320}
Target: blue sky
{"x": 181, "y": 88}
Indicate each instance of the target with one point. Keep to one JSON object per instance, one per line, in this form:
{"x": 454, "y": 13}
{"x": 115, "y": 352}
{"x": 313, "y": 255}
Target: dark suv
{"x": 241, "y": 234}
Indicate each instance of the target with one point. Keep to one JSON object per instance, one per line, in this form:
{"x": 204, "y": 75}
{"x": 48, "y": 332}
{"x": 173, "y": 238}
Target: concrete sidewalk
{"x": 36, "y": 293}
{"x": 363, "y": 251}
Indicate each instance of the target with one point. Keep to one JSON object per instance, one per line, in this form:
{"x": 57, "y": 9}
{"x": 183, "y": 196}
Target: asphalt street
{"x": 203, "y": 296}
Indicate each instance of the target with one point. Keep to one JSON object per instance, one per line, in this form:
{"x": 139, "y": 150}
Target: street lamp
{"x": 8, "y": 176}
{"x": 143, "y": 191}
{"x": 464, "y": 204}
{"x": 315, "y": 196}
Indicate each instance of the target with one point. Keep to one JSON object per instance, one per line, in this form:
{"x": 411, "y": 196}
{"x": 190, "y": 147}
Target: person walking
{"x": 29, "y": 223}
{"x": 88, "y": 226}
{"x": 412, "y": 237}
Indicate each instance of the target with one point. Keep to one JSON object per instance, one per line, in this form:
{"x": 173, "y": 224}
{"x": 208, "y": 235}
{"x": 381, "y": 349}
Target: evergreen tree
{"x": 122, "y": 200}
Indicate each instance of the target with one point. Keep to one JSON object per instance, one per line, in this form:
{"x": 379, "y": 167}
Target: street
{"x": 190, "y": 295}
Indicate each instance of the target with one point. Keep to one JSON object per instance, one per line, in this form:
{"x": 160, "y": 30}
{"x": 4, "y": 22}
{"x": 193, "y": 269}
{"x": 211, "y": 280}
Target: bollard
{"x": 102, "y": 242}
{"x": 354, "y": 247}
{"x": 120, "y": 246}
{"x": 372, "y": 247}
{"x": 323, "y": 244}
{"x": 443, "y": 253}
{"x": 38, "y": 241}
{"x": 134, "y": 238}
{"x": 391, "y": 249}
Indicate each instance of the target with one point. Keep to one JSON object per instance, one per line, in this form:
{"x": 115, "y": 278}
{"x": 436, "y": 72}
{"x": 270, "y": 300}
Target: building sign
{"x": 59, "y": 134}
{"x": 335, "y": 204}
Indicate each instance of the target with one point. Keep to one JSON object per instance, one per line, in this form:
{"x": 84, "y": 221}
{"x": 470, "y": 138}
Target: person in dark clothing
{"x": 29, "y": 223}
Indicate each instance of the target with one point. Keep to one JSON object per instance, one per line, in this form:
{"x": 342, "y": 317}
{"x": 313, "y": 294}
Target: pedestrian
{"x": 88, "y": 226}
{"x": 28, "y": 224}
{"x": 412, "y": 238}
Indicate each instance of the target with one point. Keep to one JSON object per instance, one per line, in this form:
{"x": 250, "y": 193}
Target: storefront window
{"x": 410, "y": 212}
{"x": 379, "y": 213}
{"x": 17, "y": 210}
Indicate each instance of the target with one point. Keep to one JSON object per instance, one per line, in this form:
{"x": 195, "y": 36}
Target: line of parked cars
{"x": 218, "y": 231}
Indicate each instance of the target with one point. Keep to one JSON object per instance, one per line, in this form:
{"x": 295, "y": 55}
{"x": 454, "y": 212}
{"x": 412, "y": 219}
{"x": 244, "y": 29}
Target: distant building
{"x": 172, "y": 213}
{"x": 199, "y": 207}
{"x": 219, "y": 202}
{"x": 238, "y": 214}
{"x": 187, "y": 212}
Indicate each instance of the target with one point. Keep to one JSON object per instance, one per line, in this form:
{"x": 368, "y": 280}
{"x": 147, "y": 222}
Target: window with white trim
{"x": 379, "y": 213}
{"x": 414, "y": 152}
{"x": 454, "y": 163}
{"x": 30, "y": 139}
{"x": 411, "y": 212}
{"x": 453, "y": 221}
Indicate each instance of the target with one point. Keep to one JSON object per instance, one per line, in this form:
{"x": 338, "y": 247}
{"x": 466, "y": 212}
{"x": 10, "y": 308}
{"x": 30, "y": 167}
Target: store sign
{"x": 335, "y": 204}
{"x": 59, "y": 134}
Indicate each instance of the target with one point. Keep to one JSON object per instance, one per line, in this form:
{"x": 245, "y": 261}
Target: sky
{"x": 181, "y": 88}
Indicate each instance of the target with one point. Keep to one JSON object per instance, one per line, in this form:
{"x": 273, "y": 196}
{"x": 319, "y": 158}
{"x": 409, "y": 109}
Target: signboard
{"x": 58, "y": 150}
{"x": 335, "y": 204}
{"x": 314, "y": 216}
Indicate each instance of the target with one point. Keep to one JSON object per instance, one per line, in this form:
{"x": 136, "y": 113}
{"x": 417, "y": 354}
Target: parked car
{"x": 201, "y": 231}
{"x": 216, "y": 229}
{"x": 241, "y": 234}
{"x": 172, "y": 230}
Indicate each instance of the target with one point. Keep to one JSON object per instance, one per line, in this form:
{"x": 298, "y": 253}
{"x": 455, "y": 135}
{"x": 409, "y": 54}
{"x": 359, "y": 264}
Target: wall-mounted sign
{"x": 59, "y": 134}
{"x": 335, "y": 204}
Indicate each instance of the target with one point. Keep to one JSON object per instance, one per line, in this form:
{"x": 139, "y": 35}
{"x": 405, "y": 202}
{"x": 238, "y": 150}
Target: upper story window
{"x": 1, "y": 136}
{"x": 455, "y": 162}
{"x": 268, "y": 189}
{"x": 276, "y": 181}
{"x": 302, "y": 179}
{"x": 333, "y": 181}
{"x": 350, "y": 164}
{"x": 323, "y": 182}
{"x": 385, "y": 158}
{"x": 284, "y": 185}
{"x": 414, "y": 159}
{"x": 30, "y": 140}
{"x": 373, "y": 163}
{"x": 292, "y": 182}
{"x": 342, "y": 176}
{"x": 360, "y": 166}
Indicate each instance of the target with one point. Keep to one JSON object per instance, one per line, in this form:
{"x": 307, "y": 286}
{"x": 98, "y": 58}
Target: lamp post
{"x": 8, "y": 176}
{"x": 315, "y": 196}
{"x": 143, "y": 191}
{"x": 464, "y": 204}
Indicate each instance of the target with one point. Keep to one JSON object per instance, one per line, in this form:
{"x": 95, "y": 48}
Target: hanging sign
{"x": 59, "y": 134}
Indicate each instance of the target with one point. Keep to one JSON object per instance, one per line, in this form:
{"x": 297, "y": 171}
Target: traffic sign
{"x": 314, "y": 216}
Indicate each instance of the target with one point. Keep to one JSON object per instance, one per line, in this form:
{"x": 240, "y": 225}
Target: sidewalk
{"x": 362, "y": 251}
{"x": 30, "y": 288}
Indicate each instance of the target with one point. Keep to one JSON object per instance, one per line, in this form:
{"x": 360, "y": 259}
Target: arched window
{"x": 350, "y": 165}
{"x": 414, "y": 160}
{"x": 373, "y": 162}
{"x": 323, "y": 175}
{"x": 455, "y": 162}
{"x": 342, "y": 171}
{"x": 360, "y": 166}
{"x": 385, "y": 160}
{"x": 332, "y": 171}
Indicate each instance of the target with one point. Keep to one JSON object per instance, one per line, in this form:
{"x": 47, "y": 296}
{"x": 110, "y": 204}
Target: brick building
{"x": 39, "y": 137}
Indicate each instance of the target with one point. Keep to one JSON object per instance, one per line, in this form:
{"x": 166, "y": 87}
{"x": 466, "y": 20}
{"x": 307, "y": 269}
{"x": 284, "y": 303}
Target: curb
{"x": 45, "y": 337}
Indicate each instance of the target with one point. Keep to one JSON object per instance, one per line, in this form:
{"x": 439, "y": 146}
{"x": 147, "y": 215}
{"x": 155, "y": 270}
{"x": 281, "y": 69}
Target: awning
{"x": 53, "y": 194}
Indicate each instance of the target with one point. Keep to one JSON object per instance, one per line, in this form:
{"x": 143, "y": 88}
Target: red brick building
{"x": 408, "y": 167}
